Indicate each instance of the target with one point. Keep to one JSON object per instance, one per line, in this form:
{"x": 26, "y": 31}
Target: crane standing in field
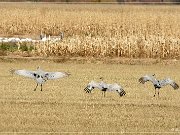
{"x": 158, "y": 83}
{"x": 40, "y": 76}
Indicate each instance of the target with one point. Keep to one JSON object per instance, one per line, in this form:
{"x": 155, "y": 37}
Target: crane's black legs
{"x": 41, "y": 87}
{"x": 36, "y": 87}
{"x": 104, "y": 93}
{"x": 155, "y": 92}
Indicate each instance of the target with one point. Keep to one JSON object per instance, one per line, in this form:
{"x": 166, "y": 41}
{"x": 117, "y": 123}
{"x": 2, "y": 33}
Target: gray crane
{"x": 40, "y": 76}
{"x": 158, "y": 84}
{"x": 105, "y": 87}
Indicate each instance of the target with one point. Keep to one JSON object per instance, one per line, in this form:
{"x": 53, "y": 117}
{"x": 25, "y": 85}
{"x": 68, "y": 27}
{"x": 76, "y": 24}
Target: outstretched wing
{"x": 103, "y": 85}
{"x": 25, "y": 73}
{"x": 147, "y": 78}
{"x": 169, "y": 81}
{"x": 56, "y": 75}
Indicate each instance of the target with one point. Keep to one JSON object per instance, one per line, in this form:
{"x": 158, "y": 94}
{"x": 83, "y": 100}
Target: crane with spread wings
{"x": 39, "y": 75}
{"x": 158, "y": 84}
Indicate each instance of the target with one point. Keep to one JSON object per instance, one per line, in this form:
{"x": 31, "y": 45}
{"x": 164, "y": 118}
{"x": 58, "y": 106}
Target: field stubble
{"x": 63, "y": 106}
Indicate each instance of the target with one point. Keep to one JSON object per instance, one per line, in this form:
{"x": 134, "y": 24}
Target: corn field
{"x": 139, "y": 31}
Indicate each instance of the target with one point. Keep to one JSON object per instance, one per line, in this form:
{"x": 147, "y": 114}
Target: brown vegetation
{"x": 97, "y": 30}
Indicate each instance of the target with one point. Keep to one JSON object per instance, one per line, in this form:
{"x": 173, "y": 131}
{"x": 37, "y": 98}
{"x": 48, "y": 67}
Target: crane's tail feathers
{"x": 176, "y": 86}
{"x": 87, "y": 90}
{"x": 122, "y": 93}
{"x": 141, "y": 80}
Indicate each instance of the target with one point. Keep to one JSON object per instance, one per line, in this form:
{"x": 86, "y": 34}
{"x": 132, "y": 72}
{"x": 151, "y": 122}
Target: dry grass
{"x": 97, "y": 30}
{"x": 92, "y": 31}
{"x": 63, "y": 106}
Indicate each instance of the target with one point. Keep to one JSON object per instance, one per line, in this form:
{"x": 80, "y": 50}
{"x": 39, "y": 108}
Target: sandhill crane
{"x": 158, "y": 83}
{"x": 105, "y": 87}
{"x": 43, "y": 37}
{"x": 40, "y": 76}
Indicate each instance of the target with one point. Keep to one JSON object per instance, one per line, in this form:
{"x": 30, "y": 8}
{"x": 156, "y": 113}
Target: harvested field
{"x": 63, "y": 106}
{"x": 118, "y": 42}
